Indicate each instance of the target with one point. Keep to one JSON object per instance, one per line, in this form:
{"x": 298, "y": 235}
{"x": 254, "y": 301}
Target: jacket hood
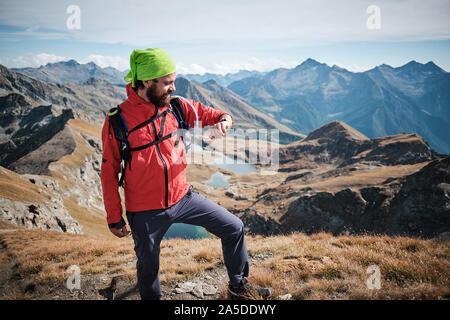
{"x": 133, "y": 97}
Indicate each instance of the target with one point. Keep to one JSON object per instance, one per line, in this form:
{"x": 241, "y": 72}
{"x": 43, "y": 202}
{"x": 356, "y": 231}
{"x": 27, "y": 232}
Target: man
{"x": 156, "y": 192}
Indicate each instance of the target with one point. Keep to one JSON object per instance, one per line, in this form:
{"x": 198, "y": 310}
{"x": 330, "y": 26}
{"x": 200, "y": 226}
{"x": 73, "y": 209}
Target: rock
{"x": 258, "y": 224}
{"x": 229, "y": 194}
{"x": 389, "y": 180}
{"x": 198, "y": 291}
{"x": 209, "y": 289}
{"x": 261, "y": 256}
{"x": 43, "y": 181}
{"x": 185, "y": 287}
{"x": 298, "y": 176}
{"x": 286, "y": 296}
{"x": 45, "y": 216}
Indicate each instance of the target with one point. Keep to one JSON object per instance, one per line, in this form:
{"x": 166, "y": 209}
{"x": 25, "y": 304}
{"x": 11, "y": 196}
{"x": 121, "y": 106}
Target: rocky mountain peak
{"x": 431, "y": 66}
{"x": 69, "y": 63}
{"x": 414, "y": 66}
{"x": 308, "y": 63}
{"x": 334, "y": 130}
{"x": 383, "y": 66}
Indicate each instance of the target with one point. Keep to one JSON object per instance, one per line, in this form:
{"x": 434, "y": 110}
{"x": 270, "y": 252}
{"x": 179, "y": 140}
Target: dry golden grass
{"x": 78, "y": 157}
{"x": 182, "y": 259}
{"x": 405, "y": 138}
{"x": 85, "y": 127}
{"x": 320, "y": 266}
{"x": 4, "y": 225}
{"x": 13, "y": 187}
{"x": 47, "y": 254}
{"x": 325, "y": 267}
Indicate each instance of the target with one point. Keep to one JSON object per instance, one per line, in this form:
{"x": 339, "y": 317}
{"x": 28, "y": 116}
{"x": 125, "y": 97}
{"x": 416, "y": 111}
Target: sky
{"x": 227, "y": 35}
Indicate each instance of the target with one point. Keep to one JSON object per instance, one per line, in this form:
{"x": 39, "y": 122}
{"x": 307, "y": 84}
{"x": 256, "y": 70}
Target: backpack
{"x": 121, "y": 132}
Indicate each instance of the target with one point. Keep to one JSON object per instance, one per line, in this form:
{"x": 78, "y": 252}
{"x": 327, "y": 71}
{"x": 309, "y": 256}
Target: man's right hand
{"x": 122, "y": 232}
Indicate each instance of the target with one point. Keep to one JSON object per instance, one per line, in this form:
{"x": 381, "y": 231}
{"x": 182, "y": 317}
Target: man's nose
{"x": 172, "y": 88}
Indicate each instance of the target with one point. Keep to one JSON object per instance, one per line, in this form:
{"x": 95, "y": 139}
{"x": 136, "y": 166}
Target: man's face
{"x": 160, "y": 90}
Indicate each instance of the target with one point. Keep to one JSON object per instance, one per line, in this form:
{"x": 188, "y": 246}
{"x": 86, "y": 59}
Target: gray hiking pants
{"x": 149, "y": 227}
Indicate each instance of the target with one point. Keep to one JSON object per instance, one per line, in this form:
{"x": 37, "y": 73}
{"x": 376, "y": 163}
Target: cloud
{"x": 32, "y": 60}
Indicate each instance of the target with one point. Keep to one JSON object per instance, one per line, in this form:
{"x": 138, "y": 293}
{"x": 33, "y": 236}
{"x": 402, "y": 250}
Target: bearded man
{"x": 156, "y": 192}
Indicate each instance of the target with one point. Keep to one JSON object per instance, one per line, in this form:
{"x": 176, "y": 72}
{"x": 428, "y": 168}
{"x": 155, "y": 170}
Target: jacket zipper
{"x": 166, "y": 176}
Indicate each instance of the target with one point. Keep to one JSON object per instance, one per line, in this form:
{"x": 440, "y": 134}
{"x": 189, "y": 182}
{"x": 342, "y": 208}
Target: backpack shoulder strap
{"x": 120, "y": 128}
{"x": 178, "y": 111}
{"x": 118, "y": 123}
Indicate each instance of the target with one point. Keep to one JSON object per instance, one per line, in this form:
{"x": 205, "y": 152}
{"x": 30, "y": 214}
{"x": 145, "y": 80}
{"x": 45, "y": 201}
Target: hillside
{"x": 89, "y": 101}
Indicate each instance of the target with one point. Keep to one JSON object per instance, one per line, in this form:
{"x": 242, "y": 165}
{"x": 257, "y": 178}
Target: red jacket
{"x": 155, "y": 180}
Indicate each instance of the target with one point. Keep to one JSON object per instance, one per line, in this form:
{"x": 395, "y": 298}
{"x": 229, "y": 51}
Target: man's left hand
{"x": 224, "y": 124}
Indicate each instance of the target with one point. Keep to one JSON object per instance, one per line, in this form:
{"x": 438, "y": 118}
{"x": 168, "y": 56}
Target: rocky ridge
{"x": 321, "y": 192}
{"x": 26, "y": 129}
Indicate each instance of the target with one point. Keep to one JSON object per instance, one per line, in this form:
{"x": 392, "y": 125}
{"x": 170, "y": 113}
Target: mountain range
{"x": 223, "y": 80}
{"x": 413, "y": 98}
{"x": 73, "y": 72}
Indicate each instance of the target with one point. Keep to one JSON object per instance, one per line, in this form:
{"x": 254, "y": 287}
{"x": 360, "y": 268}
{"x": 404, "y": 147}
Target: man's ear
{"x": 147, "y": 83}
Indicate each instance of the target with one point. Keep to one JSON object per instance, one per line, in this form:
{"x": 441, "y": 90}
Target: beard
{"x": 157, "y": 100}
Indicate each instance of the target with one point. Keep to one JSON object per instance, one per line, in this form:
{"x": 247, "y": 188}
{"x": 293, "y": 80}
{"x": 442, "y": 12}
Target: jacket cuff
{"x": 223, "y": 114}
{"x": 117, "y": 225}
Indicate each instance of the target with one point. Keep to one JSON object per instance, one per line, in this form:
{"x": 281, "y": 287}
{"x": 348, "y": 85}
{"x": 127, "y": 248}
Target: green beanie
{"x": 149, "y": 64}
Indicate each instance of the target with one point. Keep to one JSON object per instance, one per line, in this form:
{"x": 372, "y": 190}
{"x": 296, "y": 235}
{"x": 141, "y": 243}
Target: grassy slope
{"x": 308, "y": 267}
